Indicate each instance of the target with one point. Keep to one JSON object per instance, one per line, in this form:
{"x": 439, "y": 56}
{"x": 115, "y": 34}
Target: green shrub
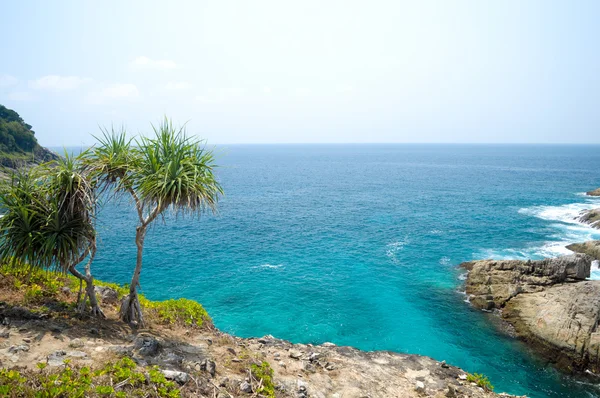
{"x": 481, "y": 380}
{"x": 264, "y": 373}
{"x": 181, "y": 311}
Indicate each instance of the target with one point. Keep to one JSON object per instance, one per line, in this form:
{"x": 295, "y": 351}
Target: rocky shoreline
{"x": 549, "y": 303}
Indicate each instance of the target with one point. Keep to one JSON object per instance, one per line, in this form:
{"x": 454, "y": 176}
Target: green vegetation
{"x": 120, "y": 379}
{"x": 481, "y": 380}
{"x": 169, "y": 171}
{"x": 42, "y": 288}
{"x": 264, "y": 373}
{"x": 16, "y": 136}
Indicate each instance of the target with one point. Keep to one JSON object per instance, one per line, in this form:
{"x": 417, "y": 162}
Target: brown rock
{"x": 591, "y": 248}
{"x": 491, "y": 283}
{"x": 595, "y": 192}
{"x": 561, "y": 322}
{"x": 591, "y": 217}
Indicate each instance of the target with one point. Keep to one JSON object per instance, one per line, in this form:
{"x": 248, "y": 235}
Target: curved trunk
{"x": 131, "y": 311}
{"x": 90, "y": 291}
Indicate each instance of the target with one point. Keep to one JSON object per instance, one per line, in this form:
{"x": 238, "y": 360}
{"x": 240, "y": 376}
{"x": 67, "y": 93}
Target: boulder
{"x": 590, "y": 217}
{"x": 591, "y": 248}
{"x": 561, "y": 323}
{"x": 491, "y": 283}
{"x": 107, "y": 295}
{"x": 179, "y": 377}
{"x": 595, "y": 192}
{"x": 146, "y": 345}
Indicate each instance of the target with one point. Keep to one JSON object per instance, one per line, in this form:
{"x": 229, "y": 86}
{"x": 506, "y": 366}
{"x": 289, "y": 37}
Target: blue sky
{"x": 306, "y": 71}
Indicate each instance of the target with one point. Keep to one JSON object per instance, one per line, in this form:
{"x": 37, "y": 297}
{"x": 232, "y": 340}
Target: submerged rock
{"x": 591, "y": 248}
{"x": 595, "y": 192}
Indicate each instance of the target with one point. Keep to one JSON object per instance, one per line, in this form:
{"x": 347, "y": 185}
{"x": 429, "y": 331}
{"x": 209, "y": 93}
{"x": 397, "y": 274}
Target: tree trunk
{"x": 90, "y": 291}
{"x": 131, "y": 311}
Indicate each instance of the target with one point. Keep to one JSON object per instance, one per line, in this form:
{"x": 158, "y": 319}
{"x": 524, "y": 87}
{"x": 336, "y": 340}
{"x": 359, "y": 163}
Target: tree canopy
{"x": 16, "y": 136}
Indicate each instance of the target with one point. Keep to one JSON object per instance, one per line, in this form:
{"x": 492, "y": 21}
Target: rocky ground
{"x": 548, "y": 302}
{"x": 208, "y": 363}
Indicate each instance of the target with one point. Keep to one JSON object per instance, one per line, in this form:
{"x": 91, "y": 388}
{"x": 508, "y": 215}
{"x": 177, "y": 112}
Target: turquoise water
{"x": 358, "y": 245}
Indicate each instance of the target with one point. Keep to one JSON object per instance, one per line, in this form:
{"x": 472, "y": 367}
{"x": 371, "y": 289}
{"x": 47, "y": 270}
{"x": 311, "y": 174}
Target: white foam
{"x": 595, "y": 271}
{"x": 393, "y": 249}
{"x": 569, "y": 213}
{"x": 567, "y": 230}
{"x": 267, "y": 266}
{"x": 463, "y": 276}
{"x": 444, "y": 261}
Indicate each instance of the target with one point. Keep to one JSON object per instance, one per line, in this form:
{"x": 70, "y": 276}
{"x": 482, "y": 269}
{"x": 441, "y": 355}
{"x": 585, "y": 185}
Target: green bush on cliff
{"x": 264, "y": 373}
{"x": 182, "y": 311}
{"x": 481, "y": 380}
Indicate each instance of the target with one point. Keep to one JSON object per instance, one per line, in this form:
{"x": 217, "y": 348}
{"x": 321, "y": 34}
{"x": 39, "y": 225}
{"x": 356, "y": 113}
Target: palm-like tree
{"x": 49, "y": 221}
{"x": 169, "y": 171}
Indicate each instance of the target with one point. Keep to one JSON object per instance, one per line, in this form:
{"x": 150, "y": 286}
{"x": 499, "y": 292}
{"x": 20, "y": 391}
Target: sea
{"x": 359, "y": 245}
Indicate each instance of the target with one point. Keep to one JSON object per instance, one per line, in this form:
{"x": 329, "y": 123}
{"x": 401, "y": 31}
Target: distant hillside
{"x": 18, "y": 145}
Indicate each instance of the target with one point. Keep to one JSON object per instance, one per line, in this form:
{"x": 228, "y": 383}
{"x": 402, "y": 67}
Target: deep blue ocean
{"x": 359, "y": 245}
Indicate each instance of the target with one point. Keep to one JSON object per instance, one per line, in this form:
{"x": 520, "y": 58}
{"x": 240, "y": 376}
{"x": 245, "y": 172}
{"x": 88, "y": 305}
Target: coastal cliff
{"x": 40, "y": 334}
{"x": 548, "y": 302}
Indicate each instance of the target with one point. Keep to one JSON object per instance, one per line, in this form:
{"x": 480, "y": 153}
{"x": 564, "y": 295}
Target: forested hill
{"x": 18, "y": 145}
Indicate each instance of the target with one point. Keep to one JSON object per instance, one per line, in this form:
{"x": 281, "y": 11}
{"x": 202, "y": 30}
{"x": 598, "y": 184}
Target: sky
{"x": 461, "y": 71}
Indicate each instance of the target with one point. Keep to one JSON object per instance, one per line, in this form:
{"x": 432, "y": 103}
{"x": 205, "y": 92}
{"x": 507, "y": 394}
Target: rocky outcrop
{"x": 548, "y": 302}
{"x": 491, "y": 283}
{"x": 595, "y": 192}
{"x": 561, "y": 323}
{"x": 591, "y": 248}
{"x": 591, "y": 217}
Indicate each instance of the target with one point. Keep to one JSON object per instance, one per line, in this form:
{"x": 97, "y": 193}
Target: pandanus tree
{"x": 167, "y": 172}
{"x": 49, "y": 221}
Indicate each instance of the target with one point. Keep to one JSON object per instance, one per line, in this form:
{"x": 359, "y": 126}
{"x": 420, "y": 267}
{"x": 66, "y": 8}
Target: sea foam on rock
{"x": 550, "y": 304}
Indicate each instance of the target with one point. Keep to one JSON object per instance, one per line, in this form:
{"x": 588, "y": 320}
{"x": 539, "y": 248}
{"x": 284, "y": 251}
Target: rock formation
{"x": 548, "y": 302}
{"x": 591, "y": 217}
{"x": 595, "y": 192}
{"x": 591, "y": 248}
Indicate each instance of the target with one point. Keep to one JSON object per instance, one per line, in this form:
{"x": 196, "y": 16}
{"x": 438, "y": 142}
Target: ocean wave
{"x": 568, "y": 213}
{"x": 267, "y": 266}
{"x": 567, "y": 230}
{"x": 445, "y": 261}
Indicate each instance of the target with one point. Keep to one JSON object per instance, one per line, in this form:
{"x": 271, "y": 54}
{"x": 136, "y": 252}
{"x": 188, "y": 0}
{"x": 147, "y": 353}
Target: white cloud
{"x": 8, "y": 80}
{"x": 20, "y": 96}
{"x": 148, "y": 63}
{"x": 267, "y": 90}
{"x": 57, "y": 83}
{"x": 124, "y": 91}
{"x": 177, "y": 86}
